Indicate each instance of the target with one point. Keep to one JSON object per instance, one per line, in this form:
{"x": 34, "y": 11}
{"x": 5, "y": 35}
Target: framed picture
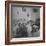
{"x": 24, "y": 22}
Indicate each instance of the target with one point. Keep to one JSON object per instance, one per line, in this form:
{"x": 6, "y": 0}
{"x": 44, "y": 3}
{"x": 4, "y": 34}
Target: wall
{"x": 2, "y": 25}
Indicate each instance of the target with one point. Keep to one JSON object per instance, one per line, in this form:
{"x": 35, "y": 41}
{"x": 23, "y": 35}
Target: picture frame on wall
{"x": 24, "y": 22}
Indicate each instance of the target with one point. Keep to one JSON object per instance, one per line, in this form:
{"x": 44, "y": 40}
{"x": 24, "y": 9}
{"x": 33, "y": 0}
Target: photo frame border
{"x": 7, "y": 36}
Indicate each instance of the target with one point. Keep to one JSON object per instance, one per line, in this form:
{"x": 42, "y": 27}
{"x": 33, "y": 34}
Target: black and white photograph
{"x": 25, "y": 21}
